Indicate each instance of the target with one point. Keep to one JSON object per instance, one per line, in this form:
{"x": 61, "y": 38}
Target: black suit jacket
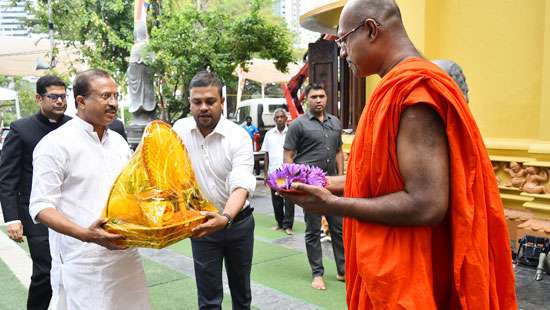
{"x": 16, "y": 169}
{"x": 118, "y": 126}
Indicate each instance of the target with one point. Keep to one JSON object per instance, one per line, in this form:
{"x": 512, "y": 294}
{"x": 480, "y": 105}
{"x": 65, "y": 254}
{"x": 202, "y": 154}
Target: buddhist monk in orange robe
{"x": 424, "y": 225}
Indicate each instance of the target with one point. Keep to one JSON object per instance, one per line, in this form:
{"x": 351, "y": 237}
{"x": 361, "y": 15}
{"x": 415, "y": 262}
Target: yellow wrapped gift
{"x": 156, "y": 200}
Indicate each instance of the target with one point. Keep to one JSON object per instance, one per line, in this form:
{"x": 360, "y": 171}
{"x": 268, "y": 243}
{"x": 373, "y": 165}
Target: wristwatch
{"x": 229, "y": 220}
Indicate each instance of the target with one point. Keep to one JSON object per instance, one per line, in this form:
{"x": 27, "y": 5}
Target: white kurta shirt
{"x": 73, "y": 173}
{"x": 273, "y": 144}
{"x": 222, "y": 161}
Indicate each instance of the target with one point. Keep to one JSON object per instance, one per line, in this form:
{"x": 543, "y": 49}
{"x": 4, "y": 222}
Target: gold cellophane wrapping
{"x": 156, "y": 200}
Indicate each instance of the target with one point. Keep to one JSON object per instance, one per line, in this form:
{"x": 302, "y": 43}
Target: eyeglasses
{"x": 109, "y": 96}
{"x": 55, "y": 97}
{"x": 341, "y": 41}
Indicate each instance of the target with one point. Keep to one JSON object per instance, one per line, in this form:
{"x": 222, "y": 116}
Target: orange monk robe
{"x": 465, "y": 262}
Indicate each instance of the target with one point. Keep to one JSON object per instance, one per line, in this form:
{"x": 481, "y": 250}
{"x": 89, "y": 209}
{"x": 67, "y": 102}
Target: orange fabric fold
{"x": 465, "y": 262}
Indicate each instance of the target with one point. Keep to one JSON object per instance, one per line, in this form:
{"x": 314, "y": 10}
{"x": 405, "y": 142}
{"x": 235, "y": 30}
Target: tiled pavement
{"x": 280, "y": 275}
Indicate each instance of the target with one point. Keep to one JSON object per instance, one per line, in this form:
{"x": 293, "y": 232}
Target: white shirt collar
{"x": 89, "y": 127}
{"x": 221, "y": 127}
{"x": 284, "y": 130}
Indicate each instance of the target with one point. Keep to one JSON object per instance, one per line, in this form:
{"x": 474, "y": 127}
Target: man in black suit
{"x": 16, "y": 178}
{"x": 118, "y": 126}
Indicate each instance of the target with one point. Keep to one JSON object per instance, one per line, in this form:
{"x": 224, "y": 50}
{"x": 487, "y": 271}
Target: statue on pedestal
{"x": 141, "y": 94}
{"x": 455, "y": 71}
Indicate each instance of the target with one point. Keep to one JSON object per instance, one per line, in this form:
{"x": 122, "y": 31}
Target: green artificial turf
{"x": 264, "y": 224}
{"x": 288, "y": 271}
{"x": 14, "y": 295}
{"x": 24, "y": 245}
{"x": 170, "y": 289}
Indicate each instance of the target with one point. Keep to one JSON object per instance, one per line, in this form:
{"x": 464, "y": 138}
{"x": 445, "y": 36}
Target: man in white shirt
{"x": 74, "y": 169}
{"x": 273, "y": 146}
{"x": 223, "y": 162}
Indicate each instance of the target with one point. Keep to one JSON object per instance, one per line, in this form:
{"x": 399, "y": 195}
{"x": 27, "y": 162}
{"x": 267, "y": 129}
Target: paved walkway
{"x": 280, "y": 273}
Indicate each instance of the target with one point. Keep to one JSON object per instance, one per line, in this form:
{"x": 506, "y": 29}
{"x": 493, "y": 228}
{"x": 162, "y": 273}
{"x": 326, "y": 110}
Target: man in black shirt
{"x": 315, "y": 139}
{"x": 16, "y": 178}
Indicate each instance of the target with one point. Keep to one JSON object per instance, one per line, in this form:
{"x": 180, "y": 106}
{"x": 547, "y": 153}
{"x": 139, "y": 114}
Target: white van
{"x": 261, "y": 110}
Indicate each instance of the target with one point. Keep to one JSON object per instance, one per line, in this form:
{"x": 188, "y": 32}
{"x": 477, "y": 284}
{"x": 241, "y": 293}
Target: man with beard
{"x": 74, "y": 169}
{"x": 425, "y": 227}
{"x": 222, "y": 161}
{"x": 16, "y": 178}
{"x": 315, "y": 139}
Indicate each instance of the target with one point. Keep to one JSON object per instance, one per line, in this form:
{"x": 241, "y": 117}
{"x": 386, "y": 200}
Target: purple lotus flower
{"x": 282, "y": 178}
{"x": 316, "y": 176}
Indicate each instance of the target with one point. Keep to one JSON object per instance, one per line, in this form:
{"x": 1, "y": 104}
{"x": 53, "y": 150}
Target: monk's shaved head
{"x": 372, "y": 36}
{"x": 383, "y": 11}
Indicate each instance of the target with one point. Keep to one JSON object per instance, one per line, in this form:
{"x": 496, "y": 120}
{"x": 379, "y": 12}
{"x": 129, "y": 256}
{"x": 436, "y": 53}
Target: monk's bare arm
{"x": 336, "y": 184}
{"x": 423, "y": 158}
{"x": 424, "y": 163}
{"x": 340, "y": 161}
{"x": 288, "y": 156}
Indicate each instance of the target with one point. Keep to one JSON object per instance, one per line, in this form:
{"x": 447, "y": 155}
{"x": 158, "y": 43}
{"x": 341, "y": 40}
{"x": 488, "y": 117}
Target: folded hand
{"x": 214, "y": 222}
{"x": 15, "y": 232}
{"x": 98, "y": 235}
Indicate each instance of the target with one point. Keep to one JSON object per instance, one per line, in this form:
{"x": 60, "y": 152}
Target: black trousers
{"x": 234, "y": 247}
{"x": 40, "y": 289}
{"x": 284, "y": 211}
{"x": 313, "y": 243}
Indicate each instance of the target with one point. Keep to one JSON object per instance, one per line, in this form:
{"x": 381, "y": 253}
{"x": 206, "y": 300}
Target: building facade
{"x": 12, "y": 19}
{"x": 290, "y": 11}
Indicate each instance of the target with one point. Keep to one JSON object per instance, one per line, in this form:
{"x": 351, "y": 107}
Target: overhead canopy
{"x": 323, "y": 19}
{"x": 18, "y": 56}
{"x": 7, "y": 94}
{"x": 264, "y": 72}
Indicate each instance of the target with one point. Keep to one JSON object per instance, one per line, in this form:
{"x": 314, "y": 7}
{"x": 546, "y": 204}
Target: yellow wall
{"x": 544, "y": 123}
{"x": 503, "y": 47}
{"x": 500, "y": 46}
{"x": 414, "y": 19}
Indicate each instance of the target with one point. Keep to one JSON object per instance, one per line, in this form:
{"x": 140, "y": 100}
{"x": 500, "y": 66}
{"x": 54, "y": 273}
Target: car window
{"x": 273, "y": 107}
{"x": 242, "y": 113}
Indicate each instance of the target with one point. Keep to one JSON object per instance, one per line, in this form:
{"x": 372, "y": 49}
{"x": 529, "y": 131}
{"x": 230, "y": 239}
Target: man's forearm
{"x": 395, "y": 209}
{"x": 58, "y": 222}
{"x": 288, "y": 156}
{"x": 340, "y": 162}
{"x": 266, "y": 165}
{"x": 235, "y": 202}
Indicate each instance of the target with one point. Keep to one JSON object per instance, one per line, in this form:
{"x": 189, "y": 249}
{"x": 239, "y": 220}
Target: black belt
{"x": 244, "y": 214}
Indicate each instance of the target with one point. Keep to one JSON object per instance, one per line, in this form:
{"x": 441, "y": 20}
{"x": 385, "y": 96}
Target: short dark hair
{"x": 47, "y": 81}
{"x": 81, "y": 84}
{"x": 248, "y": 117}
{"x": 205, "y": 79}
{"x": 314, "y": 86}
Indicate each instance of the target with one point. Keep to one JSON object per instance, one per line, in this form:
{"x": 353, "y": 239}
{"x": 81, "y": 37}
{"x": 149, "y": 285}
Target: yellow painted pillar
{"x": 413, "y": 13}
{"x": 414, "y": 18}
{"x": 544, "y": 123}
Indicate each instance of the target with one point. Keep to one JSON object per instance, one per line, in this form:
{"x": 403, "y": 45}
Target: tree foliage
{"x": 185, "y": 37}
{"x": 189, "y": 40}
{"x": 27, "y": 103}
{"x": 102, "y": 30}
